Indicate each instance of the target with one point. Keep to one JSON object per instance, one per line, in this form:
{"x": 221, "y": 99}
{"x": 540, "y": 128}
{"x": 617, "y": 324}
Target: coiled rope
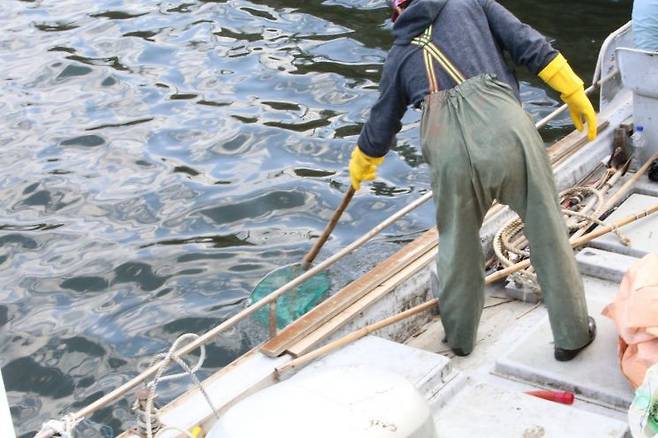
{"x": 510, "y": 245}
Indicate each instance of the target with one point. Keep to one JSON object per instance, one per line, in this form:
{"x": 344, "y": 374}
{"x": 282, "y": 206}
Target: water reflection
{"x": 159, "y": 158}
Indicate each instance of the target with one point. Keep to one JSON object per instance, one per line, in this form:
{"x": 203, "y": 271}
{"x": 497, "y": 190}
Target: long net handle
{"x": 308, "y": 259}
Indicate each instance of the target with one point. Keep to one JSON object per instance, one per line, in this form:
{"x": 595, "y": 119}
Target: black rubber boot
{"x": 457, "y": 351}
{"x": 564, "y": 355}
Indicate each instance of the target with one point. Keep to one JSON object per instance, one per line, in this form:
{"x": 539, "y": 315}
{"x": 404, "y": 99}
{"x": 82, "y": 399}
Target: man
{"x": 481, "y": 146}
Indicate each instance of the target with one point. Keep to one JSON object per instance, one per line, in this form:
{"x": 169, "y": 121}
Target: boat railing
{"x": 606, "y": 66}
{"x": 611, "y": 39}
{"x": 271, "y": 299}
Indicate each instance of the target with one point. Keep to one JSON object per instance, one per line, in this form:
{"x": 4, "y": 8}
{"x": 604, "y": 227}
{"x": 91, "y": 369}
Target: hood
{"x": 415, "y": 19}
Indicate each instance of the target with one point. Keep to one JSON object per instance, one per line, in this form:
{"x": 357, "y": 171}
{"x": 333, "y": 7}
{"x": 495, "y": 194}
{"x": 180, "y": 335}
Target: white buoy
{"x": 6, "y": 425}
{"x": 346, "y": 402}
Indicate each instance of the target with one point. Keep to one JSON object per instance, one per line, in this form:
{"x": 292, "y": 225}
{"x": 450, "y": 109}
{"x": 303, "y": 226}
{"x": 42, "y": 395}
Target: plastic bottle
{"x": 639, "y": 139}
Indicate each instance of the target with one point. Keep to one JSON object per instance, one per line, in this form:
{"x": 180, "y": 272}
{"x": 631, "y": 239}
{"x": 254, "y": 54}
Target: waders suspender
{"x": 430, "y": 51}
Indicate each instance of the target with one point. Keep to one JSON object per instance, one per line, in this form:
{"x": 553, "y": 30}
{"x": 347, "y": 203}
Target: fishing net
{"x": 294, "y": 303}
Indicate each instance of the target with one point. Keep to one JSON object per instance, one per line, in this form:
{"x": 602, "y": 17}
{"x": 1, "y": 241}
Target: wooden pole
{"x": 358, "y": 334}
{"x": 354, "y": 336}
{"x": 616, "y": 197}
{"x": 308, "y": 259}
{"x": 233, "y": 320}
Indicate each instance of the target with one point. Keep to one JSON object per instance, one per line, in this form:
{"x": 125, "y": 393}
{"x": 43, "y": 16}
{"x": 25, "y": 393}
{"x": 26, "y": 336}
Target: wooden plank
{"x": 563, "y": 148}
{"x": 311, "y": 340}
{"x": 349, "y": 294}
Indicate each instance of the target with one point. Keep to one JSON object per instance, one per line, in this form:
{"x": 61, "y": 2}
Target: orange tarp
{"x": 635, "y": 312}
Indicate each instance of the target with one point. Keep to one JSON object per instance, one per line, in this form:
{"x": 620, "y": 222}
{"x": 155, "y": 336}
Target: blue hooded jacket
{"x": 473, "y": 34}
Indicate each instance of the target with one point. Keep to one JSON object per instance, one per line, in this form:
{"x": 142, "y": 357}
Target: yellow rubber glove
{"x": 363, "y": 167}
{"x": 559, "y": 76}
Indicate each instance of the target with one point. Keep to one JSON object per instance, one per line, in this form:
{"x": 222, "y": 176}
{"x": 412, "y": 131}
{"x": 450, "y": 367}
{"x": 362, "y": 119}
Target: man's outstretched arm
{"x": 379, "y": 131}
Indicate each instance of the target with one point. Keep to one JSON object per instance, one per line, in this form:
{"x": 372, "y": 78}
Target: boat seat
{"x": 639, "y": 70}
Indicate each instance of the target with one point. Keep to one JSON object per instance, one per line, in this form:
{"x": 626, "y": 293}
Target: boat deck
{"x": 482, "y": 394}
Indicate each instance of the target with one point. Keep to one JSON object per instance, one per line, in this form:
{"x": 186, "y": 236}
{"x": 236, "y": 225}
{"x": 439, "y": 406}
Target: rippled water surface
{"x": 158, "y": 158}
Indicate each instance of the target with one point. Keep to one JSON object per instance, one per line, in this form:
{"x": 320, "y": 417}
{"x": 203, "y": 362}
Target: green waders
{"x": 481, "y": 146}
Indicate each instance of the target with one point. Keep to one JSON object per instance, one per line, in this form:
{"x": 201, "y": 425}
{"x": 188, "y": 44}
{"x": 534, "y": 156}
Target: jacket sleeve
{"x": 526, "y": 46}
{"x": 386, "y": 114}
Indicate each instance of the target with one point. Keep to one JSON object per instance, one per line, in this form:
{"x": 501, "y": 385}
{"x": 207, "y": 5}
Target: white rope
{"x": 509, "y": 252}
{"x": 166, "y": 359}
{"x": 59, "y": 428}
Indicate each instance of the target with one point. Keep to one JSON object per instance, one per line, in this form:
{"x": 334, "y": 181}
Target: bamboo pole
{"x": 355, "y": 336}
{"x": 232, "y": 321}
{"x": 362, "y": 332}
{"x": 616, "y": 197}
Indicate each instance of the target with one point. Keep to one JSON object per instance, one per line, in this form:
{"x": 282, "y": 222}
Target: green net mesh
{"x": 294, "y": 303}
